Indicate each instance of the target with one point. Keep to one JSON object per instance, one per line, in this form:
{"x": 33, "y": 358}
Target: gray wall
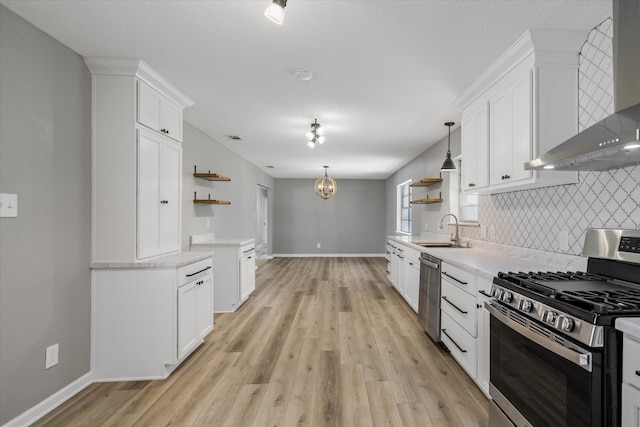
{"x": 352, "y": 222}
{"x": 45, "y": 157}
{"x": 427, "y": 164}
{"x": 226, "y": 221}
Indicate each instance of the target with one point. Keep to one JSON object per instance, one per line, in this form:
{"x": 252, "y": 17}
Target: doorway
{"x": 262, "y": 223}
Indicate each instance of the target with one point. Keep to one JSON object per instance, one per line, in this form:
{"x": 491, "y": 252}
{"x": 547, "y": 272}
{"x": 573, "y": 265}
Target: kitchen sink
{"x": 438, "y": 245}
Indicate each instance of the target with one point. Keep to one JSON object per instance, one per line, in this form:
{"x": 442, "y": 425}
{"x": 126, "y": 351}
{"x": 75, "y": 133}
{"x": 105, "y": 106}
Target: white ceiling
{"x": 385, "y": 72}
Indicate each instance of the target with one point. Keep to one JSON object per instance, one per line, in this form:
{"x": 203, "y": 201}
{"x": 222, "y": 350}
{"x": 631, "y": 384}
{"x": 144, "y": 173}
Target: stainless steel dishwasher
{"x": 429, "y": 297}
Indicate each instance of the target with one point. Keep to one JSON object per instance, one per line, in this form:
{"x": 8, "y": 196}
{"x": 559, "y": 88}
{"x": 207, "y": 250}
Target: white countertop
{"x": 629, "y": 325}
{"x": 487, "y": 259}
{"x": 203, "y": 240}
{"x": 166, "y": 261}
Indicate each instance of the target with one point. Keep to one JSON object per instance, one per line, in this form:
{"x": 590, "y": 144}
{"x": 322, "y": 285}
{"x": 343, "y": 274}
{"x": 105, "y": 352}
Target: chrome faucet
{"x": 456, "y": 240}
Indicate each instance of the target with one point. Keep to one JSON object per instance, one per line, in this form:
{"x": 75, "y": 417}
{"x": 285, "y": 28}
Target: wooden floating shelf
{"x": 212, "y": 201}
{"x": 425, "y": 182}
{"x": 425, "y": 201}
{"x": 210, "y": 176}
{"x": 209, "y": 201}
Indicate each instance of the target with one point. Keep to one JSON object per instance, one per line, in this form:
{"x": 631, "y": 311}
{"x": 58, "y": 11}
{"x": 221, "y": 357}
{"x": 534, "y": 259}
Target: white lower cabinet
{"x": 465, "y": 321}
{"x": 247, "y": 273}
{"x": 630, "y": 406}
{"x": 234, "y": 263}
{"x": 484, "y": 290}
{"x": 460, "y": 343}
{"x": 412, "y": 278}
{"x": 148, "y": 316}
{"x": 631, "y": 381}
{"x": 194, "y": 313}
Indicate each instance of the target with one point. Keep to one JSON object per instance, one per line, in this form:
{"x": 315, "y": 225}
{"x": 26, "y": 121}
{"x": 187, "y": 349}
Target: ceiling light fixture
{"x": 448, "y": 164}
{"x": 275, "y": 11}
{"x": 325, "y": 187}
{"x": 316, "y": 134}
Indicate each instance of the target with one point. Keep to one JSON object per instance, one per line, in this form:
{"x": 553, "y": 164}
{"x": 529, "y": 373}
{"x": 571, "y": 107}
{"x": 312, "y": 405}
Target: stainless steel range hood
{"x": 615, "y": 141}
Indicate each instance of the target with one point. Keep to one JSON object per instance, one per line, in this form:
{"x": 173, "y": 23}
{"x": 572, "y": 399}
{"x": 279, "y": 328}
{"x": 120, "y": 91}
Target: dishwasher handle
{"x": 429, "y": 263}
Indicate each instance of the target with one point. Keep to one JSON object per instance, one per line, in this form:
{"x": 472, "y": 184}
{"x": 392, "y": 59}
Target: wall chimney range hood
{"x": 613, "y": 142}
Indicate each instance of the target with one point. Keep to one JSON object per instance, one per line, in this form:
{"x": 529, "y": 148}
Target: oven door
{"x": 539, "y": 378}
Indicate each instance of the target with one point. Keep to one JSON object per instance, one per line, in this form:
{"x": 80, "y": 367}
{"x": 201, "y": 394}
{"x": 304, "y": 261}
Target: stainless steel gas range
{"x": 555, "y": 354}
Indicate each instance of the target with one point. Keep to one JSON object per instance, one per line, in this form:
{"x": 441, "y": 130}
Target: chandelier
{"x": 316, "y": 134}
{"x": 325, "y": 187}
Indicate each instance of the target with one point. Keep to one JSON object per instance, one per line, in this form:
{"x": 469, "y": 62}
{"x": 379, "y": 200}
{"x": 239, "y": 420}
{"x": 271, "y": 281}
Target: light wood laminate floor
{"x": 321, "y": 342}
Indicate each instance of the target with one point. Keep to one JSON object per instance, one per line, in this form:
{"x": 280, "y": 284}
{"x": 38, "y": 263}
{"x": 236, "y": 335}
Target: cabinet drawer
{"x": 457, "y": 276}
{"x": 460, "y": 305}
{"x": 189, "y": 273}
{"x": 412, "y": 255}
{"x": 631, "y": 362}
{"x": 630, "y": 406}
{"x": 460, "y": 343}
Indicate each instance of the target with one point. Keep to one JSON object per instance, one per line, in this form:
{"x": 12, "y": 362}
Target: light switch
{"x": 8, "y": 205}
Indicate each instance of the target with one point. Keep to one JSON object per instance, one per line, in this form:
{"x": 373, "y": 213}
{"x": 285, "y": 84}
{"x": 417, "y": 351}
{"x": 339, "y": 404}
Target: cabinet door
{"x": 149, "y": 106}
{"x": 149, "y": 197}
{"x": 172, "y": 120}
{"x": 187, "y": 337}
{"x": 475, "y": 148}
{"x": 247, "y": 275}
{"x": 412, "y": 284}
{"x": 630, "y": 406}
{"x": 510, "y": 130}
{"x": 521, "y": 129}
{"x": 170, "y": 209}
{"x": 204, "y": 306}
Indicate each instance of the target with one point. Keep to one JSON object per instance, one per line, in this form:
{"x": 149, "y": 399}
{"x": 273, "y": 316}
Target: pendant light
{"x": 275, "y": 11}
{"x": 325, "y": 187}
{"x": 316, "y": 134}
{"x": 448, "y": 164}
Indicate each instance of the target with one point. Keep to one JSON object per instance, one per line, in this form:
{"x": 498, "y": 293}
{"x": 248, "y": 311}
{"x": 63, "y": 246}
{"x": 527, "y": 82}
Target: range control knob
{"x": 506, "y": 296}
{"x": 496, "y": 292}
{"x": 566, "y": 324}
{"x": 525, "y": 305}
{"x": 549, "y": 317}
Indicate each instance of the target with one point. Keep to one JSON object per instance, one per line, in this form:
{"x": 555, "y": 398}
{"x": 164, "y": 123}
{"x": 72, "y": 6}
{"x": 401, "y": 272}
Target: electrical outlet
{"x": 8, "y": 205}
{"x": 51, "y": 356}
{"x": 318, "y": 245}
{"x": 491, "y": 233}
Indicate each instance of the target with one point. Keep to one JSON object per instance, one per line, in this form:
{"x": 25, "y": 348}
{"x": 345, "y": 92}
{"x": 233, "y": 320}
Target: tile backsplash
{"x": 542, "y": 218}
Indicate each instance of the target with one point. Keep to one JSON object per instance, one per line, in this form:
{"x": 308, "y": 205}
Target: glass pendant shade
{"x": 320, "y": 139}
{"x": 275, "y": 11}
{"x": 310, "y": 136}
{"x": 311, "y": 144}
{"x": 325, "y": 187}
{"x": 315, "y": 134}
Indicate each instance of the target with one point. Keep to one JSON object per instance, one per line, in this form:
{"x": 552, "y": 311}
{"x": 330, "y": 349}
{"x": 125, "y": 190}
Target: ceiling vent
{"x": 234, "y": 137}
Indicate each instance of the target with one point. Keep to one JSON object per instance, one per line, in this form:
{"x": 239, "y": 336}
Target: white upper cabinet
{"x": 158, "y": 112}
{"x": 136, "y": 166}
{"x": 528, "y": 101}
{"x": 475, "y": 146}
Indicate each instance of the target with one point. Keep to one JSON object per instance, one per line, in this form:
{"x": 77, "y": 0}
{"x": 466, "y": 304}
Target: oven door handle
{"x": 576, "y": 355}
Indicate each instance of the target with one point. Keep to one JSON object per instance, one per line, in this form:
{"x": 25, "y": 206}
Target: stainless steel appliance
{"x": 613, "y": 142}
{"x": 555, "y": 354}
{"x": 429, "y": 296}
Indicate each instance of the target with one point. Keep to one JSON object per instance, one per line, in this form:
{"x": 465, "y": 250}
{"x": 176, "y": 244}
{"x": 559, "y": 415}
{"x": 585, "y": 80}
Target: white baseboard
{"x": 50, "y": 403}
{"x": 328, "y": 255}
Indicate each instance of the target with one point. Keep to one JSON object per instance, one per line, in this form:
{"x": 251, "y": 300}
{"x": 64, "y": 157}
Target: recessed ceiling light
{"x": 234, "y": 137}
